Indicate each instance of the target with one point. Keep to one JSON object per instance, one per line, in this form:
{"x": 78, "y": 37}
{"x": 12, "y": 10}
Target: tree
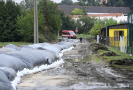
{"x": 92, "y": 3}
{"x": 77, "y": 11}
{"x": 8, "y": 15}
{"x": 84, "y": 24}
{"x": 96, "y": 29}
{"x": 26, "y": 26}
{"x": 67, "y": 22}
{"x": 116, "y": 3}
{"x": 66, "y": 2}
{"x": 128, "y": 3}
{"x": 88, "y": 3}
{"x": 53, "y": 19}
{"x": 22, "y": 5}
{"x": 26, "y": 4}
{"x": 100, "y": 24}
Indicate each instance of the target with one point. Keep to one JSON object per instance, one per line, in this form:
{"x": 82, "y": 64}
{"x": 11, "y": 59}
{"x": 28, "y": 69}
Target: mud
{"x": 110, "y": 54}
{"x": 80, "y": 71}
{"x": 90, "y": 39}
{"x": 95, "y": 47}
{"x": 125, "y": 61}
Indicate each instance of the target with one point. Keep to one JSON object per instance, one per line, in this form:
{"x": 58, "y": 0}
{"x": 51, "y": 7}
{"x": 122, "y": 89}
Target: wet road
{"x": 81, "y": 70}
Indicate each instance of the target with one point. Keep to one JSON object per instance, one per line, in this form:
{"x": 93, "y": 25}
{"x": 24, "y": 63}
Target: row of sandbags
{"x": 13, "y": 59}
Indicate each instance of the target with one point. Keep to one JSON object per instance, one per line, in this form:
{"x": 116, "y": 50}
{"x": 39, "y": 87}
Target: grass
{"x": 14, "y": 43}
{"x": 122, "y": 56}
{"x": 83, "y": 36}
{"x": 108, "y": 58}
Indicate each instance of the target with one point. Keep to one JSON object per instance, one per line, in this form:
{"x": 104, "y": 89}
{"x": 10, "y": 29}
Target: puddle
{"x": 91, "y": 58}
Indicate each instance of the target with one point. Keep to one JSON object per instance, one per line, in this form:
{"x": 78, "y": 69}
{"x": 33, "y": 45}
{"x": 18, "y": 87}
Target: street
{"x": 80, "y": 71}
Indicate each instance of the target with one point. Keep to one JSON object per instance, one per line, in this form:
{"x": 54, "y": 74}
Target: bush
{"x": 42, "y": 39}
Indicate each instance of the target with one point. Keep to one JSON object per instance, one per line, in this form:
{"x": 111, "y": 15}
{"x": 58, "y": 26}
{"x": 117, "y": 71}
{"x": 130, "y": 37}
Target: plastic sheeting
{"x": 15, "y": 58}
{"x": 12, "y": 47}
{"x": 65, "y": 44}
{"x": 4, "y": 82}
{"x": 52, "y": 49}
{"x": 34, "y": 58}
{"x": 11, "y": 62}
{"x": 10, "y": 73}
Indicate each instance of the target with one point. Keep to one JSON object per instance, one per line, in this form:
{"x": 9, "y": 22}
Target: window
{"x": 117, "y": 35}
{"x": 64, "y": 32}
{"x": 72, "y": 33}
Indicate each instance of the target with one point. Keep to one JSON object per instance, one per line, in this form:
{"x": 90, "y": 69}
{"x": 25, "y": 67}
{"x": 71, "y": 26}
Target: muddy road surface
{"x": 81, "y": 71}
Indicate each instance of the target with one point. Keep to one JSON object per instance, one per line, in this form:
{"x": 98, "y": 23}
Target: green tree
{"x": 88, "y": 3}
{"x": 67, "y": 22}
{"x": 77, "y": 11}
{"x": 26, "y": 26}
{"x": 96, "y": 28}
{"x": 128, "y": 3}
{"x": 8, "y": 15}
{"x": 92, "y": 3}
{"x": 116, "y": 3}
{"x": 100, "y": 24}
{"x": 66, "y": 2}
{"x": 52, "y": 18}
{"x": 2, "y": 11}
{"x": 22, "y": 5}
{"x": 84, "y": 24}
{"x": 26, "y": 4}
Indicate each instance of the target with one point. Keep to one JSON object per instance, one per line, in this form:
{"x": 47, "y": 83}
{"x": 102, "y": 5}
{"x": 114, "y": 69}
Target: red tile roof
{"x": 104, "y": 15}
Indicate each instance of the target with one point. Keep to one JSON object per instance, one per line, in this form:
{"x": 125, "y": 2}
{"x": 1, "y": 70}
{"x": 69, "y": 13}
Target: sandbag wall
{"x": 14, "y": 59}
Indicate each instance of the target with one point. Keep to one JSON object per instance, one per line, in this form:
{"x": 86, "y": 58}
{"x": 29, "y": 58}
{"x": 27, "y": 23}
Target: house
{"x": 112, "y": 34}
{"x": 117, "y": 13}
{"x": 95, "y": 9}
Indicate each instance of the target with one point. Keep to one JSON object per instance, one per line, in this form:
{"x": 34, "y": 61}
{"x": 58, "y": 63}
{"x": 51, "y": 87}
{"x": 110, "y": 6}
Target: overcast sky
{"x": 57, "y": 1}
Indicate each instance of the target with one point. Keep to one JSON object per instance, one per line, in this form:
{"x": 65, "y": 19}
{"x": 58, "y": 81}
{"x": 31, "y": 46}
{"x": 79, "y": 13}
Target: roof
{"x": 95, "y": 9}
{"x": 114, "y": 25}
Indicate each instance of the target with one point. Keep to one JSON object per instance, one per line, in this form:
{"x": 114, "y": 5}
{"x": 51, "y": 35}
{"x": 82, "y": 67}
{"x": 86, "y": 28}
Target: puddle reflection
{"x": 91, "y": 58}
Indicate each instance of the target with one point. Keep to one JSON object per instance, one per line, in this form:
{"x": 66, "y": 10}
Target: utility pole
{"x": 35, "y": 22}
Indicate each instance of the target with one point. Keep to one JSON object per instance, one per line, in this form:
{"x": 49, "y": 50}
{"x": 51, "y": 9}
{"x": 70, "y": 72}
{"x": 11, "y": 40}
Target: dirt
{"x": 80, "y": 71}
{"x": 95, "y": 47}
{"x": 125, "y": 61}
{"x": 110, "y": 54}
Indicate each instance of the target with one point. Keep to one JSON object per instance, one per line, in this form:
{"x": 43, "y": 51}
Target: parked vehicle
{"x": 68, "y": 34}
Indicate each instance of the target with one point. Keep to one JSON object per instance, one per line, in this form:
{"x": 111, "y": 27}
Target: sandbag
{"x": 37, "y": 45}
{"x": 10, "y": 73}
{"x": 52, "y": 49}
{"x": 34, "y": 58}
{"x": 67, "y": 44}
{"x": 57, "y": 46}
{"x": 4, "y": 82}
{"x": 11, "y": 62}
{"x": 12, "y": 47}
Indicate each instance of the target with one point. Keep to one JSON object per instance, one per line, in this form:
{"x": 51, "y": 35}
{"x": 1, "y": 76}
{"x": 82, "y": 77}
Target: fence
{"x": 130, "y": 33}
{"x": 119, "y": 43}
